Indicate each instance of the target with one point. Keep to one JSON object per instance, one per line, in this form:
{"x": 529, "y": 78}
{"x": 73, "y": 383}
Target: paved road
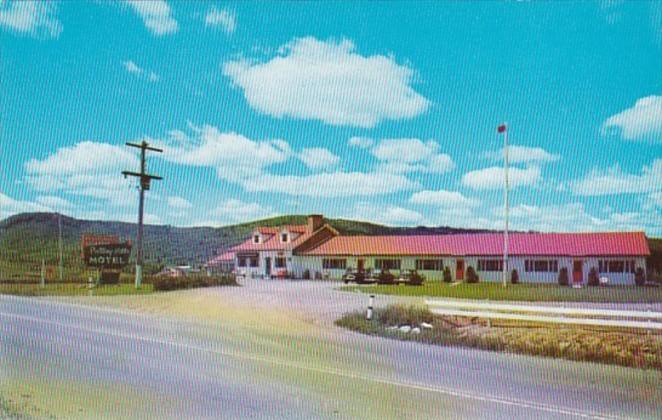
{"x": 171, "y": 367}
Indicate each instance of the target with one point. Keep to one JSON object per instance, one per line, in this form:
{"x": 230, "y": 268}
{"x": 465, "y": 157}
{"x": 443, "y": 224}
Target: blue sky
{"x": 371, "y": 111}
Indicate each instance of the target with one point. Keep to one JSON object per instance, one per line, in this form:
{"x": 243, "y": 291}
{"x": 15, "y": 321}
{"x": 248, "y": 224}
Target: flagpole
{"x": 506, "y": 206}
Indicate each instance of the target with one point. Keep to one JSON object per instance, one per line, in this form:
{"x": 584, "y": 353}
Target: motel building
{"x": 316, "y": 250}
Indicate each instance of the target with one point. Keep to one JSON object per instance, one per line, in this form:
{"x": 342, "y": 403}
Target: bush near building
{"x": 447, "y": 275}
{"x": 593, "y": 277}
{"x": 191, "y": 281}
{"x": 564, "y": 280}
{"x": 472, "y": 276}
{"x": 514, "y": 277}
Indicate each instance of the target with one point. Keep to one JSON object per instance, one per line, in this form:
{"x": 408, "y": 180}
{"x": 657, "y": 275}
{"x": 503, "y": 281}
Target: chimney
{"x": 315, "y": 221}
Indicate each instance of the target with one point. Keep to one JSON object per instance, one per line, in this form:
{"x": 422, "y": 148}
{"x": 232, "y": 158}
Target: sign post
{"x": 108, "y": 259}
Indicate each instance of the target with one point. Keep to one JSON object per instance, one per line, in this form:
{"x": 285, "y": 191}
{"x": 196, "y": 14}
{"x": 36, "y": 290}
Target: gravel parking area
{"x": 315, "y": 301}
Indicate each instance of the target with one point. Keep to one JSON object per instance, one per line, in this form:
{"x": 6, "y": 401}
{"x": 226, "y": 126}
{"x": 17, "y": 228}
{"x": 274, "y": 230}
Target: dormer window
{"x": 256, "y": 239}
{"x": 284, "y": 237}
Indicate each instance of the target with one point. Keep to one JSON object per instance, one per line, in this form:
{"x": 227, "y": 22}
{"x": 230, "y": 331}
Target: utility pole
{"x": 504, "y": 129}
{"x": 145, "y": 180}
{"x": 59, "y": 247}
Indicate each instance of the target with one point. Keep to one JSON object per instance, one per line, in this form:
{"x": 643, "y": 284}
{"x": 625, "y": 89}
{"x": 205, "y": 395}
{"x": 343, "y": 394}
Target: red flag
{"x": 501, "y": 128}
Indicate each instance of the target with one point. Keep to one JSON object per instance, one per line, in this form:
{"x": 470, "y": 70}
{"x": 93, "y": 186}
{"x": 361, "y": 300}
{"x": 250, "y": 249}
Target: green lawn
{"x": 519, "y": 292}
{"x": 73, "y": 289}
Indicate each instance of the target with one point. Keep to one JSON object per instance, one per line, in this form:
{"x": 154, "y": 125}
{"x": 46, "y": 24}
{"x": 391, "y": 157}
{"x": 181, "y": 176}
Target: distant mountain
{"x": 27, "y": 238}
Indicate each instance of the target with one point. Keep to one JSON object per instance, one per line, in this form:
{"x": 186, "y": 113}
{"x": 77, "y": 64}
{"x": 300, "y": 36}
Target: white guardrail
{"x": 649, "y": 320}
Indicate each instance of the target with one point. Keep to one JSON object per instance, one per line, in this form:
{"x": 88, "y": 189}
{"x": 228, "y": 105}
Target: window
{"x": 616, "y": 266}
{"x": 490, "y": 265}
{"x": 241, "y": 261}
{"x": 253, "y": 261}
{"x": 256, "y": 239}
{"x": 283, "y": 237}
{"x": 431, "y": 265}
{"x": 383, "y": 264}
{"x": 334, "y": 263}
{"x": 279, "y": 262}
{"x": 541, "y": 266}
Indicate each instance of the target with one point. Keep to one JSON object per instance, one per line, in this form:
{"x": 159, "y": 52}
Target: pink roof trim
{"x": 490, "y": 244}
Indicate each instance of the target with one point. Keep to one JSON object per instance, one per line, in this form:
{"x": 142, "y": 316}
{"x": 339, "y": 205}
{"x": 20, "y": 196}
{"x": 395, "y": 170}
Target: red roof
{"x": 271, "y": 239}
{"x": 223, "y": 258}
{"x": 478, "y": 244}
{"x": 278, "y": 229}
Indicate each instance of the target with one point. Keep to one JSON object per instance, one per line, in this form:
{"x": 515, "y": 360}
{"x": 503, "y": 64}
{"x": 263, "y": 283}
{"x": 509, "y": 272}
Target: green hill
{"x": 27, "y": 238}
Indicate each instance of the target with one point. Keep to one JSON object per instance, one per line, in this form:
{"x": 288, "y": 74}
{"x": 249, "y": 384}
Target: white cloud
{"x": 615, "y": 181}
{"x": 179, "y": 202}
{"x": 88, "y": 168}
{"x": 234, "y": 156}
{"x": 131, "y": 67}
{"x": 86, "y": 156}
{"x": 523, "y": 154}
{"x": 32, "y": 18}
{"x": 318, "y": 158}
{"x": 222, "y": 19}
{"x": 10, "y": 206}
{"x": 54, "y": 202}
{"x": 156, "y": 15}
{"x": 494, "y": 178}
{"x": 233, "y": 211}
{"x": 655, "y": 199}
{"x": 361, "y": 142}
{"x": 641, "y": 122}
{"x": 330, "y": 82}
{"x": 335, "y": 184}
{"x": 412, "y": 155}
{"x": 391, "y": 215}
{"x": 574, "y": 217}
{"x": 441, "y": 198}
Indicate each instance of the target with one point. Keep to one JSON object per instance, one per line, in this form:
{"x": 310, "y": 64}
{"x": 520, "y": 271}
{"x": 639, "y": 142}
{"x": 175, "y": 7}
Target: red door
{"x": 459, "y": 270}
{"x": 578, "y": 271}
{"x": 359, "y": 265}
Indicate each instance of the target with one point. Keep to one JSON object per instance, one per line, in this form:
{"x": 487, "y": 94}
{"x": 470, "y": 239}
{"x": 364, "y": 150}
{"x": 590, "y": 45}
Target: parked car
{"x": 383, "y": 277}
{"x": 410, "y": 277}
{"x": 352, "y": 275}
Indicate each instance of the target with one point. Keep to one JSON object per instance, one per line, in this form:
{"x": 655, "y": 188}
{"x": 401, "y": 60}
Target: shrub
{"x": 447, "y": 275}
{"x": 639, "y": 277}
{"x": 564, "y": 280}
{"x": 514, "y": 277}
{"x": 472, "y": 276}
{"x": 416, "y": 279}
{"x": 163, "y": 283}
{"x": 593, "y": 277}
{"x": 385, "y": 277}
{"x": 404, "y": 315}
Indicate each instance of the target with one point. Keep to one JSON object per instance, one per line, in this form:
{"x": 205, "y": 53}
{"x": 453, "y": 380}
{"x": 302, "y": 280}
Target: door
{"x": 359, "y": 265}
{"x": 459, "y": 270}
{"x": 267, "y": 266}
{"x": 578, "y": 271}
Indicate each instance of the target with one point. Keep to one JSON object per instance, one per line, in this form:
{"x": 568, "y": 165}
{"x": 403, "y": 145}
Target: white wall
{"x": 314, "y": 265}
{"x": 260, "y": 270}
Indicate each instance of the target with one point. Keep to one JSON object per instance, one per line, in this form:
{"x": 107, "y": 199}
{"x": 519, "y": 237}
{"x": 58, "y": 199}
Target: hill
{"x": 27, "y": 238}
